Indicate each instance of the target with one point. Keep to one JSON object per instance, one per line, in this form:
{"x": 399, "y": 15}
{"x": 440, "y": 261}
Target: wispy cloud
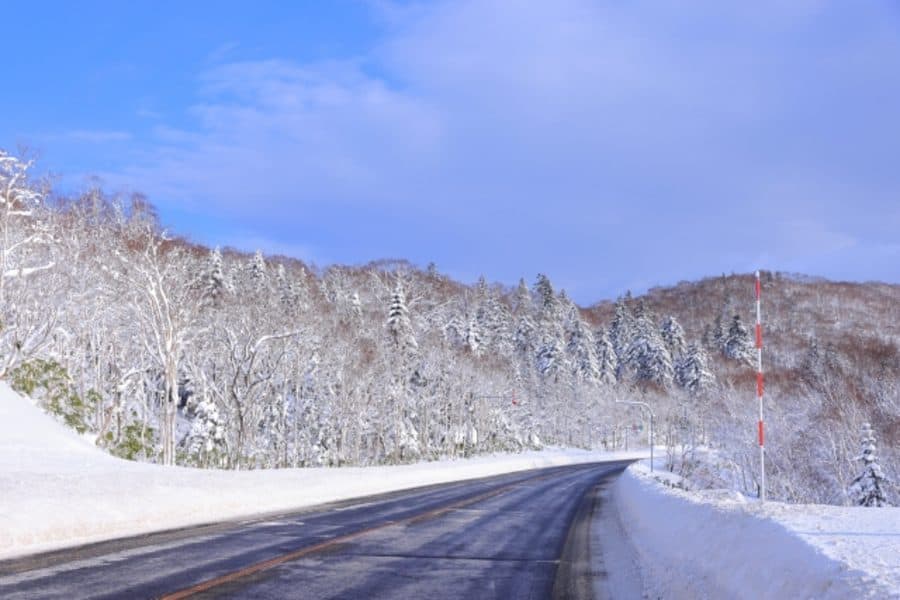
{"x": 599, "y": 142}
{"x": 92, "y": 136}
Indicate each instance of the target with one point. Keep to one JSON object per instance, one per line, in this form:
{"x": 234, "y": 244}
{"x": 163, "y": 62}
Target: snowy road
{"x": 523, "y": 535}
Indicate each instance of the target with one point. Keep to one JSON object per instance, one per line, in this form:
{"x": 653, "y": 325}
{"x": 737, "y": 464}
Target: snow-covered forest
{"x": 167, "y": 351}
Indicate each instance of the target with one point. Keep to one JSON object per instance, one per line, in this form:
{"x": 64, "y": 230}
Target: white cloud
{"x": 556, "y": 135}
{"x": 95, "y": 136}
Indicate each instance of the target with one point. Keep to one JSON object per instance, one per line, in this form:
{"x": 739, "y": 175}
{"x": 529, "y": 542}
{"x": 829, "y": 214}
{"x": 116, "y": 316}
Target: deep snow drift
{"x": 57, "y": 490}
{"x": 718, "y": 544}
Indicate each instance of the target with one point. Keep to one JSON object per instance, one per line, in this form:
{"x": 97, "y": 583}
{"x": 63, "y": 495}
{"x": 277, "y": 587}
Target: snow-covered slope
{"x": 56, "y": 489}
{"x": 717, "y": 544}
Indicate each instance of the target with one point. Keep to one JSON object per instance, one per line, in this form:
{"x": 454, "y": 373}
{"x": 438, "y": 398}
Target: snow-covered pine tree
{"x": 481, "y": 315}
{"x": 524, "y": 342}
{"x": 607, "y": 361}
{"x": 481, "y": 289}
{"x": 581, "y": 348}
{"x": 455, "y": 330}
{"x": 399, "y": 326}
{"x": 621, "y": 332}
{"x": 647, "y": 357}
{"x": 549, "y": 358}
{"x": 868, "y": 489}
{"x": 819, "y": 365}
{"x": 547, "y": 303}
{"x": 714, "y": 336}
{"x": 565, "y": 304}
{"x": 216, "y": 285}
{"x": 673, "y": 336}
{"x": 692, "y": 369}
{"x": 523, "y": 298}
{"x": 473, "y": 335}
{"x": 737, "y": 345}
{"x": 523, "y": 329}
{"x": 286, "y": 292}
{"x": 207, "y": 436}
{"x": 494, "y": 323}
{"x": 256, "y": 275}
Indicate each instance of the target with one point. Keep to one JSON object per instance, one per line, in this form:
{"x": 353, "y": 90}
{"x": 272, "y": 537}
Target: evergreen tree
{"x": 286, "y": 291}
{"x": 549, "y": 359}
{"x": 547, "y": 303}
{"x": 868, "y": 489}
{"x": 473, "y": 336}
{"x": 482, "y": 315}
{"x": 819, "y": 364}
{"x": 737, "y": 344}
{"x": 621, "y": 331}
{"x": 494, "y": 322}
{"x": 607, "y": 361}
{"x": 564, "y": 304}
{"x": 523, "y": 299}
{"x": 581, "y": 348}
{"x": 399, "y": 326}
{"x": 215, "y": 284}
{"x": 811, "y": 365}
{"x": 714, "y": 336}
{"x": 207, "y": 436}
{"x": 524, "y": 329}
{"x": 257, "y": 277}
{"x": 481, "y": 289}
{"x": 647, "y": 357}
{"x": 455, "y": 330}
{"x": 692, "y": 370}
{"x": 673, "y": 336}
{"x": 524, "y": 335}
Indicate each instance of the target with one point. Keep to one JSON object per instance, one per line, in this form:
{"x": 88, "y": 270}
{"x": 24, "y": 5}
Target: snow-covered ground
{"x": 57, "y": 490}
{"x": 718, "y": 544}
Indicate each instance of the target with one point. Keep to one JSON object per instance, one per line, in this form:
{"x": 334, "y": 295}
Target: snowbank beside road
{"x": 717, "y": 544}
{"x": 58, "y": 490}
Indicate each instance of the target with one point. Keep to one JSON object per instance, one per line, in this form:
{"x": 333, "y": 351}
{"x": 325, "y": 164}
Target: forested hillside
{"x": 832, "y": 363}
{"x": 171, "y": 352}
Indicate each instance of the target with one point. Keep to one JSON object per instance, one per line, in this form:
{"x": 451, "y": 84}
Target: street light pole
{"x": 645, "y": 406}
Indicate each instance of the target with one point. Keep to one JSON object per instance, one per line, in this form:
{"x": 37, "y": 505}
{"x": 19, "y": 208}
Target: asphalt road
{"x": 523, "y": 535}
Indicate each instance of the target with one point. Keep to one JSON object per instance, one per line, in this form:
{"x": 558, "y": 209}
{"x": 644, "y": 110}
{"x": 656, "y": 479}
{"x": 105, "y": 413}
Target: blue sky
{"x": 610, "y": 145}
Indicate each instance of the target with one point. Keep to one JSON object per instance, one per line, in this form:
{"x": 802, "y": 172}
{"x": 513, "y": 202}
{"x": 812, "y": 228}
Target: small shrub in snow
{"x": 48, "y": 383}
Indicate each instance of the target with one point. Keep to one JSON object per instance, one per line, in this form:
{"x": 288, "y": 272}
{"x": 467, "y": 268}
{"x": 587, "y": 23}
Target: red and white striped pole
{"x": 759, "y": 394}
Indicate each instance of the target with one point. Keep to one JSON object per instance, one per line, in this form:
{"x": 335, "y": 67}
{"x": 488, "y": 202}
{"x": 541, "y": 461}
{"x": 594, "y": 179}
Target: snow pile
{"x": 718, "y": 544}
{"x": 56, "y": 489}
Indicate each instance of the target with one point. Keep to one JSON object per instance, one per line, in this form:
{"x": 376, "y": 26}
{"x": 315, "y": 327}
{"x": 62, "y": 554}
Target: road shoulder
{"x": 612, "y": 551}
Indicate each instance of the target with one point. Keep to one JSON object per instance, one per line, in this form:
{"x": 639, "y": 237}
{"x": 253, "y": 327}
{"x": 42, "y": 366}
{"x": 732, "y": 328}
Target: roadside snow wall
{"x": 717, "y": 544}
{"x": 58, "y": 490}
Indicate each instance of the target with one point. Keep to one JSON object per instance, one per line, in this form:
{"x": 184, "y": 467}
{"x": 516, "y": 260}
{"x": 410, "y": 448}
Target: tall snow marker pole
{"x": 759, "y": 394}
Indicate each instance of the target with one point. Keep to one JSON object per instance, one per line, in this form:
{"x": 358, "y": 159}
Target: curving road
{"x": 522, "y": 535}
